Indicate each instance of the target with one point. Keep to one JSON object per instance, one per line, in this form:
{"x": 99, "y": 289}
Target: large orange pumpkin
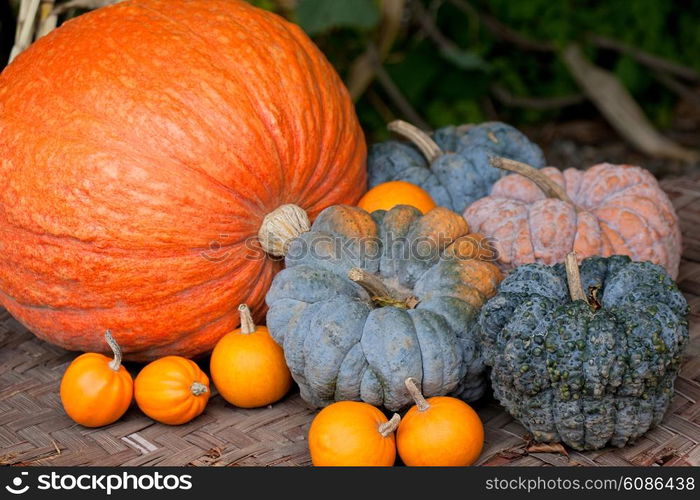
{"x": 542, "y": 215}
{"x": 141, "y": 147}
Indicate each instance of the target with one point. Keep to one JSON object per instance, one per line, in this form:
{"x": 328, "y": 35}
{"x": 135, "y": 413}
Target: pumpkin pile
{"x": 247, "y": 366}
{"x": 190, "y": 178}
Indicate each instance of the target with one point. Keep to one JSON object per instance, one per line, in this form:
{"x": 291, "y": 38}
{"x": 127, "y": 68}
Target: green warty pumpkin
{"x": 589, "y": 372}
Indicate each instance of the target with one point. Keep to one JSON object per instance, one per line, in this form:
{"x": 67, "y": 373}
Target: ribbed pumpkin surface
{"x": 343, "y": 341}
{"x": 141, "y": 145}
{"x": 615, "y": 209}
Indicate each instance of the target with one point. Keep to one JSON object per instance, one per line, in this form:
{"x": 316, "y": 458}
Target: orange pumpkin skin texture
{"x": 96, "y": 390}
{"x": 175, "y": 128}
{"x": 445, "y": 432}
{"x": 352, "y": 434}
{"x": 172, "y": 390}
{"x": 389, "y": 194}
{"x": 248, "y": 366}
{"x": 616, "y": 209}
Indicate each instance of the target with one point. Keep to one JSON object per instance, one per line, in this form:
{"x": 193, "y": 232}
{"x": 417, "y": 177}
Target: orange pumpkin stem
{"x": 380, "y": 292}
{"x": 420, "y": 139}
{"x": 116, "y": 350}
{"x": 198, "y": 388}
{"x": 573, "y": 277}
{"x": 415, "y": 393}
{"x": 247, "y": 323}
{"x": 280, "y": 227}
{"x": 387, "y": 428}
{"x": 550, "y": 188}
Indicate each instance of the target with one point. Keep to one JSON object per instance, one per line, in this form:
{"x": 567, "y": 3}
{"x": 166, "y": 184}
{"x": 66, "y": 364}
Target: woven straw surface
{"x": 35, "y": 431}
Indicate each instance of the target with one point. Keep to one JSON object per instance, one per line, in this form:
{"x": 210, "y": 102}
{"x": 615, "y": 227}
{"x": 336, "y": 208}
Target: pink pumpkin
{"x": 542, "y": 215}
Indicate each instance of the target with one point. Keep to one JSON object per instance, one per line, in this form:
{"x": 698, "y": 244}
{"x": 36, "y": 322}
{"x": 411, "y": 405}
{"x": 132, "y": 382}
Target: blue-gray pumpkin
{"x": 368, "y": 300}
{"x": 453, "y": 165}
{"x": 592, "y": 371}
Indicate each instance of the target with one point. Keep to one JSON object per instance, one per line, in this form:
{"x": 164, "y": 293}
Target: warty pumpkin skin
{"x": 96, "y": 390}
{"x": 141, "y": 147}
{"x": 452, "y": 165}
{"x": 588, "y": 372}
{"x": 367, "y": 300}
{"x": 605, "y": 210}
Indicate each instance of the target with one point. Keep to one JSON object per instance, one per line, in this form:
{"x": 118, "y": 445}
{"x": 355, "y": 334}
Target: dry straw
{"x": 39, "y": 17}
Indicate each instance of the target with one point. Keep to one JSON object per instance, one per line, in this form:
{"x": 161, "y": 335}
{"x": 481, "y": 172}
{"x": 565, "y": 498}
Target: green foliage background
{"x": 462, "y": 77}
{"x": 457, "y": 87}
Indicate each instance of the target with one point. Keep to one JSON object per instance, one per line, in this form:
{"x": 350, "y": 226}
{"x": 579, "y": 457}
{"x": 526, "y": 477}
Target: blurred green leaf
{"x": 319, "y": 16}
{"x": 632, "y": 75}
{"x": 442, "y": 113}
{"x": 416, "y": 71}
{"x": 459, "y": 86}
{"x": 463, "y": 59}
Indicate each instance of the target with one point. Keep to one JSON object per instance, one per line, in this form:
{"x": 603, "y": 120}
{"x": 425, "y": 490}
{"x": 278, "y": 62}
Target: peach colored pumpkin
{"x": 605, "y": 210}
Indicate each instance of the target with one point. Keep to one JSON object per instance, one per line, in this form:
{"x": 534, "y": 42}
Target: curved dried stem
{"x": 374, "y": 285}
{"x": 116, "y": 363}
{"x": 415, "y": 393}
{"x": 381, "y": 294}
{"x": 550, "y": 188}
{"x": 247, "y": 323}
{"x": 620, "y": 109}
{"x": 387, "y": 428}
{"x": 420, "y": 139}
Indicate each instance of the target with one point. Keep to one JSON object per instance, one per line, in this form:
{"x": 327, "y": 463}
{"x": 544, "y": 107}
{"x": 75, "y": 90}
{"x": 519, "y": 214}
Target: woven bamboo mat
{"x": 35, "y": 431}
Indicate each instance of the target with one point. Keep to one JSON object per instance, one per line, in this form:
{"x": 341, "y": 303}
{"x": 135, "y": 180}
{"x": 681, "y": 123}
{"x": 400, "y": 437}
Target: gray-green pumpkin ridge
{"x": 368, "y": 300}
{"x": 453, "y": 164}
{"x": 588, "y": 356}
